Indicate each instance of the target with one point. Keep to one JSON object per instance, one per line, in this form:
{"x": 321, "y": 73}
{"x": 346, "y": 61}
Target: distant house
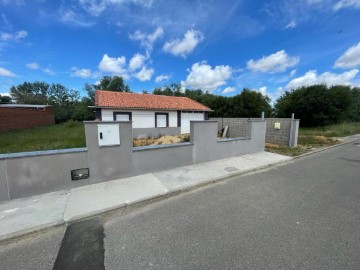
{"x": 147, "y": 111}
{"x": 21, "y": 116}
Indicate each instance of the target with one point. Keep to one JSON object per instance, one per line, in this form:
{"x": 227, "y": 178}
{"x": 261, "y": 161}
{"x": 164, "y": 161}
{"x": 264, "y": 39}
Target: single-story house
{"x": 147, "y": 111}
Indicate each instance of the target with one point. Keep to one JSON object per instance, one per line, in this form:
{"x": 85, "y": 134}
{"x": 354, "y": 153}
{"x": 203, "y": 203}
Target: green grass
{"x": 338, "y": 130}
{"x": 315, "y": 138}
{"x": 61, "y": 136}
{"x": 288, "y": 151}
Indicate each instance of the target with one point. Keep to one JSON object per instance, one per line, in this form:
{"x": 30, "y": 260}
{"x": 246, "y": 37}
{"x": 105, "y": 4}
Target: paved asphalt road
{"x": 302, "y": 215}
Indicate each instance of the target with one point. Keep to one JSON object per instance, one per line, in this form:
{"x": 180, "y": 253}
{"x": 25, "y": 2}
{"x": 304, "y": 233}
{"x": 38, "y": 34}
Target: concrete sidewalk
{"x": 22, "y": 216}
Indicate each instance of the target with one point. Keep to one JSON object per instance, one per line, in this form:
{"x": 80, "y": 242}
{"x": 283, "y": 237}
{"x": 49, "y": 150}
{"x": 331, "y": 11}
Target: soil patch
{"x": 162, "y": 140}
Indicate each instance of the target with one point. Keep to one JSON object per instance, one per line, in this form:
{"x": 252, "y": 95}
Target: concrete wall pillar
{"x": 294, "y": 133}
{"x": 109, "y": 162}
{"x": 256, "y": 130}
{"x": 203, "y": 134}
{"x": 4, "y": 191}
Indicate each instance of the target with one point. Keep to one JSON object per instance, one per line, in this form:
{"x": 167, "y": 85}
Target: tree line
{"x": 315, "y": 105}
{"x": 67, "y": 102}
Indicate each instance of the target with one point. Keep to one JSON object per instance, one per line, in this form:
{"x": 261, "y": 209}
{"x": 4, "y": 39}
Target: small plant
{"x": 71, "y": 123}
{"x": 185, "y": 139}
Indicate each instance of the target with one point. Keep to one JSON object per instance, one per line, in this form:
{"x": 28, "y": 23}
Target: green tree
{"x": 112, "y": 83}
{"x": 173, "y": 89}
{"x": 250, "y": 103}
{"x": 30, "y": 93}
{"x": 65, "y": 101}
{"x": 109, "y": 83}
{"x": 317, "y": 105}
{"x": 247, "y": 104}
{"x": 5, "y": 99}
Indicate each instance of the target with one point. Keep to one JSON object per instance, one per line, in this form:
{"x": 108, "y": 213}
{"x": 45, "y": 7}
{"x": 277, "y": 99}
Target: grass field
{"x": 338, "y": 130}
{"x": 314, "y": 138}
{"x": 72, "y": 135}
{"x": 67, "y": 135}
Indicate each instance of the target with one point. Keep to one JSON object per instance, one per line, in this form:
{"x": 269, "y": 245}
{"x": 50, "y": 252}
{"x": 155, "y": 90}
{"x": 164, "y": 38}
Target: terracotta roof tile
{"x": 145, "y": 101}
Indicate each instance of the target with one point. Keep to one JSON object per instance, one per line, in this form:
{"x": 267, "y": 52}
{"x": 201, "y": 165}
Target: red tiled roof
{"x": 146, "y": 101}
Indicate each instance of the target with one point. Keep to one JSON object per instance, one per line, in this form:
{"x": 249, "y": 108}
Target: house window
{"x": 122, "y": 116}
{"x": 161, "y": 119}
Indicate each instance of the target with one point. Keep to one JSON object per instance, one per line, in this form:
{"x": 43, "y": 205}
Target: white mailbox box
{"x": 108, "y": 135}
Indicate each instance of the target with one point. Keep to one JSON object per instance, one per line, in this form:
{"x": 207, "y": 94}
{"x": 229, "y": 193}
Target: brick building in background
{"x": 21, "y": 116}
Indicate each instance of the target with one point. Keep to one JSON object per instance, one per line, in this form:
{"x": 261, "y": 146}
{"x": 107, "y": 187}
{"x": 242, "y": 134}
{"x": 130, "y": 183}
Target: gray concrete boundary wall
{"x": 155, "y": 132}
{"x": 286, "y": 135}
{"x": 30, "y": 175}
{"x": 27, "y": 174}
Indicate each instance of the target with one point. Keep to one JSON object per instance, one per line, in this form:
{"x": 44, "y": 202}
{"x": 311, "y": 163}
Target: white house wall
{"x": 140, "y": 118}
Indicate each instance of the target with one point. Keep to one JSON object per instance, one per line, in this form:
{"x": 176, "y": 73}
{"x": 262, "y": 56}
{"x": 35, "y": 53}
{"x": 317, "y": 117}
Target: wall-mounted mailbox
{"x": 108, "y": 135}
{"x": 277, "y": 125}
{"x": 79, "y": 174}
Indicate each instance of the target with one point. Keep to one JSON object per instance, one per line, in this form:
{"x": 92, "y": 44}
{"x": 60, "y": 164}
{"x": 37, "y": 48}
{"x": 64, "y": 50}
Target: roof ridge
{"x": 151, "y": 94}
{"x": 108, "y": 98}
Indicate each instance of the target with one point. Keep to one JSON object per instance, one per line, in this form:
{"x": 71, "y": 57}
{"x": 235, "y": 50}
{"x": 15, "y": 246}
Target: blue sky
{"x": 220, "y": 46}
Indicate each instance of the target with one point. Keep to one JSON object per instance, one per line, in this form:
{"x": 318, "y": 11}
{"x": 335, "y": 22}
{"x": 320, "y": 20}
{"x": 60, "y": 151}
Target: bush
{"x": 72, "y": 123}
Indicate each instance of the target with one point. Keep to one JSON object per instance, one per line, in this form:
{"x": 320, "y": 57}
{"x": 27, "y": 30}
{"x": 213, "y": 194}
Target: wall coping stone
{"x": 42, "y": 153}
{"x": 234, "y": 139}
{"x": 160, "y": 146}
{"x": 106, "y": 122}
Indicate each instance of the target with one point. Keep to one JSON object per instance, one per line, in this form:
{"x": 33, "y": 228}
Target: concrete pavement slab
{"x": 18, "y": 217}
{"x": 236, "y": 165}
{"x": 93, "y": 199}
{"x": 267, "y": 158}
{"x": 184, "y": 177}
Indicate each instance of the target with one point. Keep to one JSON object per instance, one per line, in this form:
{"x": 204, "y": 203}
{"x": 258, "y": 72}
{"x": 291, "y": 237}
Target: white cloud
{"x": 203, "y": 76}
{"x": 93, "y": 7}
{"x": 48, "y": 71}
{"x": 115, "y": 65}
{"x": 346, "y": 4}
{"x": 147, "y": 40}
{"x": 311, "y": 77}
{"x": 274, "y": 96}
{"x": 69, "y": 17}
{"x": 162, "y": 78}
{"x": 6, "y": 73}
{"x": 36, "y": 66}
{"x": 144, "y": 74}
{"x": 292, "y": 73}
{"x": 96, "y": 7}
{"x": 16, "y": 36}
{"x": 183, "y": 47}
{"x": 350, "y": 59}
{"x": 277, "y": 62}
{"x": 82, "y": 73}
{"x": 137, "y": 61}
{"x": 33, "y": 66}
{"x": 290, "y": 25}
{"x": 5, "y": 94}
{"x": 263, "y": 90}
{"x": 158, "y": 33}
{"x": 228, "y": 90}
